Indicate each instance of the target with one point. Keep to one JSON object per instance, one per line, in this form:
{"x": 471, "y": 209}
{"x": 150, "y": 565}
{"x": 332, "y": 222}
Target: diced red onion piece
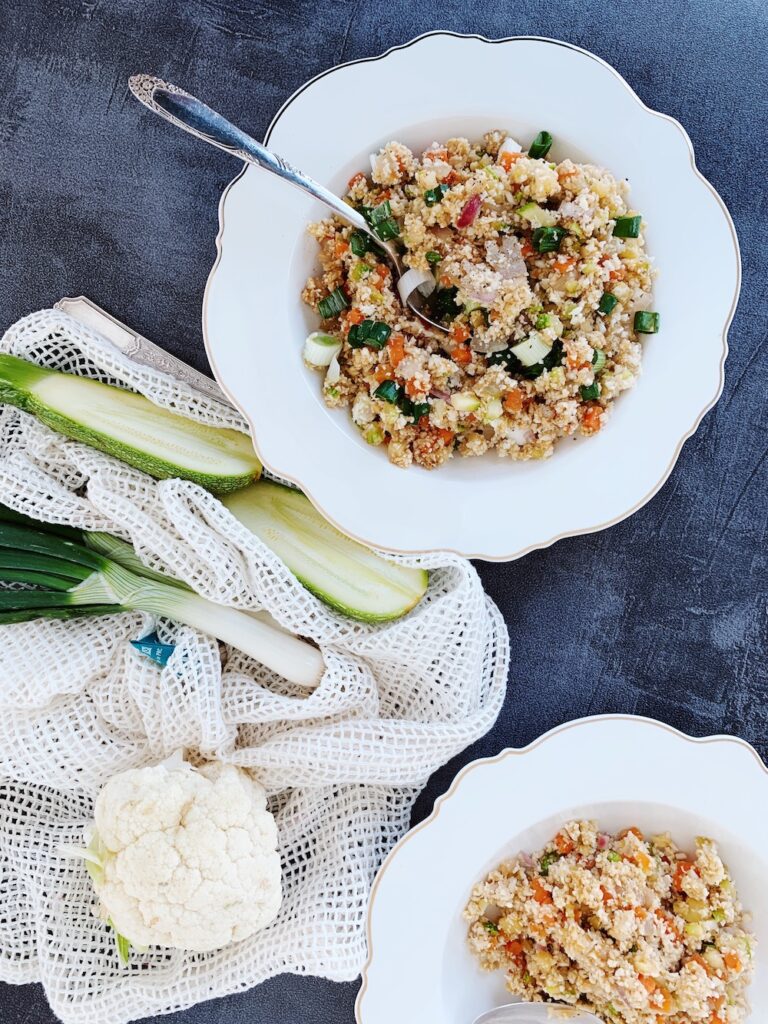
{"x": 469, "y": 211}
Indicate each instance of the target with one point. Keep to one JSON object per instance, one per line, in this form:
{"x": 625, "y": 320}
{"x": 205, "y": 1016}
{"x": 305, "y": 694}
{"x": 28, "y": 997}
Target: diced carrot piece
{"x": 619, "y": 274}
{"x": 513, "y": 401}
{"x": 382, "y": 374}
{"x": 446, "y": 436}
{"x": 506, "y": 159}
{"x": 732, "y": 962}
{"x": 341, "y": 247}
{"x": 682, "y": 869}
{"x": 514, "y": 946}
{"x": 635, "y": 832}
{"x": 644, "y": 861}
{"x": 436, "y": 154}
{"x": 396, "y": 347}
{"x": 591, "y": 417}
{"x": 460, "y": 332}
{"x": 696, "y": 958}
{"x": 445, "y": 280}
{"x": 412, "y": 389}
{"x": 461, "y": 355}
{"x": 564, "y": 843}
{"x": 526, "y": 248}
{"x": 356, "y": 179}
{"x": 607, "y": 896}
{"x": 382, "y": 272}
{"x": 641, "y": 913}
{"x": 563, "y": 263}
{"x": 451, "y": 178}
{"x": 354, "y": 316}
{"x": 385, "y": 193}
{"x": 540, "y": 894}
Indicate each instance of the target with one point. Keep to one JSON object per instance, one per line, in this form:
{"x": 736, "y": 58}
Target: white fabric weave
{"x": 78, "y": 704}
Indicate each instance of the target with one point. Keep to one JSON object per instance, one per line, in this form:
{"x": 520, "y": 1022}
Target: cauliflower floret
{"x": 188, "y": 856}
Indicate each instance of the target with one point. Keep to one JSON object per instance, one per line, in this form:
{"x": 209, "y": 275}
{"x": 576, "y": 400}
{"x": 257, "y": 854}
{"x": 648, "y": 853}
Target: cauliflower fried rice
{"x": 537, "y": 269}
{"x": 633, "y": 929}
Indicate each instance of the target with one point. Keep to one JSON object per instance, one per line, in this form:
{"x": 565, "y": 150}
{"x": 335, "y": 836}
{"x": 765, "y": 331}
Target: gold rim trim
{"x": 513, "y": 556}
{"x": 496, "y": 759}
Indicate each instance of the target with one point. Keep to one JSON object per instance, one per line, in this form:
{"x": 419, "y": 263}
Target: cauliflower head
{"x": 189, "y": 856}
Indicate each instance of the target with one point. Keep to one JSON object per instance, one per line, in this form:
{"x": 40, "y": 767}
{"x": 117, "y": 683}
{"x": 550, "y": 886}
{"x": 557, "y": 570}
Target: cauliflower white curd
{"x": 187, "y": 856}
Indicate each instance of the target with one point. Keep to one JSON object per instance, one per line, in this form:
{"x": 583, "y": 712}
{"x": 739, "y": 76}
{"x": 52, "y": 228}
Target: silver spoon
{"x": 183, "y": 110}
{"x": 536, "y": 1013}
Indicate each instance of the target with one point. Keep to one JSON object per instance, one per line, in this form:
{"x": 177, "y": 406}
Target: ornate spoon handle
{"x": 187, "y": 112}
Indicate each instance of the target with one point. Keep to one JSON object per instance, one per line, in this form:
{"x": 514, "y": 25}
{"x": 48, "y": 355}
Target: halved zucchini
{"x": 344, "y": 574}
{"x": 130, "y": 427}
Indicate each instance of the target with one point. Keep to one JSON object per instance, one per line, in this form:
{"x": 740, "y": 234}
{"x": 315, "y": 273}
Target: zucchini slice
{"x": 130, "y": 427}
{"x": 344, "y": 574}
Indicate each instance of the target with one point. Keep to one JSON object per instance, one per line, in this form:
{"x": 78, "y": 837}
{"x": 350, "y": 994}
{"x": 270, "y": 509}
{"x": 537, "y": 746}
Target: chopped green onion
{"x": 381, "y": 220}
{"x": 542, "y": 321}
{"x": 547, "y": 861}
{"x": 598, "y": 360}
{"x": 80, "y": 581}
{"x": 607, "y": 303}
{"x": 433, "y": 257}
{"x": 588, "y": 394}
{"x": 420, "y": 409}
{"x": 718, "y": 915}
{"x": 387, "y": 229}
{"x": 359, "y": 243}
{"x": 491, "y": 926}
{"x": 435, "y": 195}
{"x": 613, "y": 856}
{"x": 540, "y": 146}
{"x": 332, "y": 304}
{"x": 380, "y": 213}
{"x": 627, "y": 227}
{"x": 388, "y": 391}
{"x": 443, "y": 305}
{"x": 646, "y": 322}
{"x": 548, "y": 239}
{"x": 370, "y": 332}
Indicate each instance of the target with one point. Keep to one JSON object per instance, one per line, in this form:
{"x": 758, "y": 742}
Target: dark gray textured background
{"x": 663, "y": 615}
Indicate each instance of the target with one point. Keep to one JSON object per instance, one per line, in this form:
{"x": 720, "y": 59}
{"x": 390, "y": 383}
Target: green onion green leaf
{"x": 627, "y": 227}
{"x": 374, "y": 333}
{"x": 540, "y": 146}
{"x": 435, "y": 195}
{"x": 332, "y": 304}
{"x": 607, "y": 303}
{"x": 589, "y": 392}
{"x": 388, "y": 391}
{"x": 548, "y": 239}
{"x": 646, "y": 322}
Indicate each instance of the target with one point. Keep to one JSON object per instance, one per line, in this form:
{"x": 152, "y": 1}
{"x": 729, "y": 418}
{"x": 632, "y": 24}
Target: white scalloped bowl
{"x": 618, "y": 769}
{"x": 255, "y": 323}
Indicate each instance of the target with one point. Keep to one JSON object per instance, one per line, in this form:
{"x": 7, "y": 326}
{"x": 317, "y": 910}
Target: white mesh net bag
{"x": 78, "y": 704}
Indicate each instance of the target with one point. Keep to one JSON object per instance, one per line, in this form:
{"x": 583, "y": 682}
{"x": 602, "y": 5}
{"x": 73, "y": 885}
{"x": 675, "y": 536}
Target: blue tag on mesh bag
{"x": 151, "y": 647}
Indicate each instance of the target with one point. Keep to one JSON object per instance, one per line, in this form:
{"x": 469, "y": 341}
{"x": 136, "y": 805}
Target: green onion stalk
{"x": 75, "y": 574}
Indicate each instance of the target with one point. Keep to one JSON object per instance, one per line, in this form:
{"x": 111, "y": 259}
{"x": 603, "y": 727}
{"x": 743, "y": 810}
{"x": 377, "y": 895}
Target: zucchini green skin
{"x": 269, "y": 510}
{"x": 18, "y": 380}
